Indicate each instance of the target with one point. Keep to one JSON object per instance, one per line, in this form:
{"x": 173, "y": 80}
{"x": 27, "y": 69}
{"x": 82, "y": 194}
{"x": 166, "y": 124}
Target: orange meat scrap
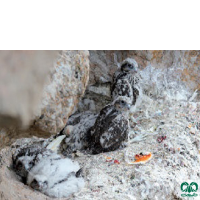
{"x": 141, "y": 158}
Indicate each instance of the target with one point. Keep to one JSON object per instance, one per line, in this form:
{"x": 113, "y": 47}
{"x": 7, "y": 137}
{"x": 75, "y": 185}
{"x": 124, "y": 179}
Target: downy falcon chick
{"x": 46, "y": 171}
{"x": 125, "y": 80}
{"x": 76, "y": 131}
{"x": 56, "y": 176}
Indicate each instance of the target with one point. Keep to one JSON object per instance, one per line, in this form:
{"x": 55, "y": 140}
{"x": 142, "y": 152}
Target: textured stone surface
{"x": 187, "y": 63}
{"x": 104, "y": 63}
{"x": 65, "y": 86}
{"x": 95, "y": 98}
{"x": 48, "y": 105}
{"x": 22, "y": 76}
{"x": 9, "y": 135}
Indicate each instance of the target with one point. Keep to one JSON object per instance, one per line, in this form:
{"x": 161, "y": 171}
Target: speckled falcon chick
{"x": 125, "y": 81}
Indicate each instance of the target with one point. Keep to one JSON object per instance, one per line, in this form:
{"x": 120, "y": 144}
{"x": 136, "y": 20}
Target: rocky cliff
{"x": 39, "y": 90}
{"x": 43, "y": 88}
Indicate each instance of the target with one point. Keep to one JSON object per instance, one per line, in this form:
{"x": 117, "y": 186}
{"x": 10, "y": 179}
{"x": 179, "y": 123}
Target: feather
{"x": 54, "y": 145}
{"x": 109, "y": 130}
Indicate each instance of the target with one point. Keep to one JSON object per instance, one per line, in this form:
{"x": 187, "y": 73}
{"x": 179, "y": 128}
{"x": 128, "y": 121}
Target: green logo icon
{"x": 185, "y": 187}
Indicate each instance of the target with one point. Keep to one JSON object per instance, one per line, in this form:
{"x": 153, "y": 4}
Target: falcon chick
{"x": 125, "y": 80}
{"x": 26, "y": 157}
{"x": 111, "y": 127}
{"x": 77, "y": 129}
{"x": 46, "y": 171}
{"x": 56, "y": 177}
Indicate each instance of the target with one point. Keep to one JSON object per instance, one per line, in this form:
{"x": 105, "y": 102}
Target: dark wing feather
{"x": 124, "y": 84}
{"x": 117, "y": 76}
{"x": 112, "y": 138}
{"x": 133, "y": 80}
{"x": 104, "y": 113}
{"x": 78, "y": 138}
{"x": 102, "y": 120}
{"x": 111, "y": 126}
{"x": 122, "y": 88}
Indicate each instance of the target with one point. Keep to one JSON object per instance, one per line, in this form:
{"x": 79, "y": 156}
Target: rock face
{"x": 22, "y": 76}
{"x": 9, "y": 135}
{"x": 104, "y": 63}
{"x": 33, "y": 87}
{"x": 65, "y": 86}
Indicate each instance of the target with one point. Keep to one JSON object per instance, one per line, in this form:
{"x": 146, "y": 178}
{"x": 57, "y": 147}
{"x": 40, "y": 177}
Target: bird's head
{"x": 20, "y": 169}
{"x": 39, "y": 183}
{"x": 129, "y": 65}
{"x": 122, "y": 104}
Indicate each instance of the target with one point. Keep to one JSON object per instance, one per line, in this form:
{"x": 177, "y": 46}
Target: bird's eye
{"x": 131, "y": 66}
{"x": 35, "y": 184}
{"x": 122, "y": 102}
{"x": 124, "y": 65}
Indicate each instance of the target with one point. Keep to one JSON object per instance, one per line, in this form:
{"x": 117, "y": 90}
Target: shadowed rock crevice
{"x": 39, "y": 90}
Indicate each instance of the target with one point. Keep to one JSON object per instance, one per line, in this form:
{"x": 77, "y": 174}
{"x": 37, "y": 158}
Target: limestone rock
{"x": 103, "y": 64}
{"x": 22, "y": 76}
{"x": 10, "y": 135}
{"x": 96, "y": 97}
{"x": 48, "y": 106}
{"x": 65, "y": 86}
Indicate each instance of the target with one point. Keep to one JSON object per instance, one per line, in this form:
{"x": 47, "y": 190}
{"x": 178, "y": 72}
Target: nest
{"x": 167, "y": 125}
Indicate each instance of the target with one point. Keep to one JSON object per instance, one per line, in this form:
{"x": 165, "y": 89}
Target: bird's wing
{"x": 78, "y": 120}
{"x": 102, "y": 120}
{"x": 112, "y": 135}
{"x": 104, "y": 113}
{"x": 115, "y": 76}
{"x": 122, "y": 88}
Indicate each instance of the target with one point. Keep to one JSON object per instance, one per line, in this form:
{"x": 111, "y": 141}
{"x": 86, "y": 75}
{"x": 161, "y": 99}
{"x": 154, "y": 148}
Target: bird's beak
{"x": 126, "y": 69}
{"x": 128, "y": 106}
{"x": 133, "y": 71}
